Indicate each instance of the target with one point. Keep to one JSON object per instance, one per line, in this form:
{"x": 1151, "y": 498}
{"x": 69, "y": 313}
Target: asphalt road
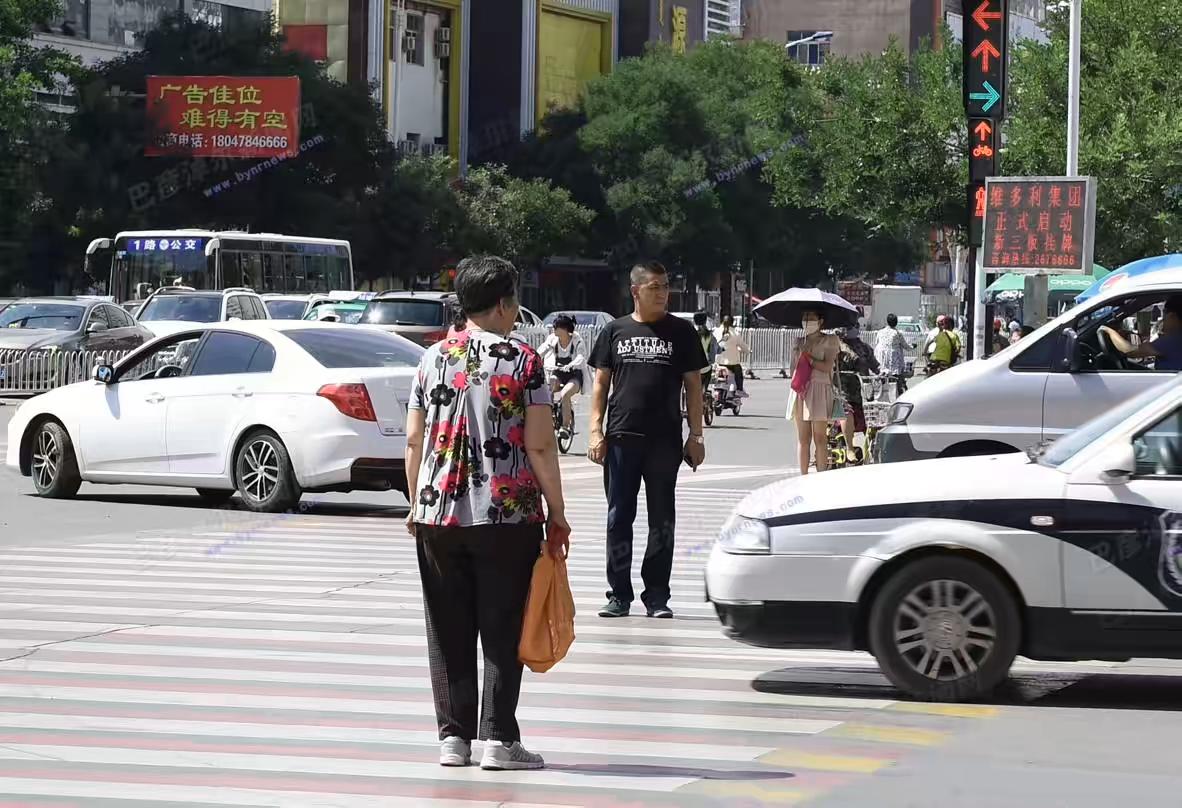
{"x": 154, "y": 651}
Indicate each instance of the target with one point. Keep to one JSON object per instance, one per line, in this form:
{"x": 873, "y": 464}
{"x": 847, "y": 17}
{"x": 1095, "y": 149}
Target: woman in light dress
{"x": 813, "y": 410}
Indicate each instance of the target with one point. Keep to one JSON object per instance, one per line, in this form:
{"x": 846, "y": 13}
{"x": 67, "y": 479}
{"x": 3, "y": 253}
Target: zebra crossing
{"x": 281, "y": 661}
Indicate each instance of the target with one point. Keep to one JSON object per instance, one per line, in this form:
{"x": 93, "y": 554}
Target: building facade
{"x": 681, "y": 24}
{"x": 722, "y": 18}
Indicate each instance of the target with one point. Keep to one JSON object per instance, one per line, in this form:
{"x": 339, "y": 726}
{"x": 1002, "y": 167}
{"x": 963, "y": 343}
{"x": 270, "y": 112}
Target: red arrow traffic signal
{"x": 984, "y": 51}
{"x": 982, "y": 15}
{"x": 983, "y": 130}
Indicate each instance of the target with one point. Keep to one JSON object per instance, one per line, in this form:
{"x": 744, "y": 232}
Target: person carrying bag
{"x": 549, "y": 626}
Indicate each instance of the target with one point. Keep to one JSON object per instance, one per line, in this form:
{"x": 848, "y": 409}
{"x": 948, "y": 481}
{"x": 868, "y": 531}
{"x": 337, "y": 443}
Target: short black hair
{"x": 1174, "y": 306}
{"x": 892, "y": 320}
{"x": 484, "y": 281}
{"x": 643, "y": 268}
{"x": 700, "y": 317}
{"x": 565, "y": 321}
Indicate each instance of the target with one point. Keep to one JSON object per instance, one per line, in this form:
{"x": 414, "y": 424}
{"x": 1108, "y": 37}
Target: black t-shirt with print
{"x": 647, "y": 361}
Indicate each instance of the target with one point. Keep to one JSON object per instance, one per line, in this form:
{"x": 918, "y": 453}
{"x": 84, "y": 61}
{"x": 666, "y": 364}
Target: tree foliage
{"x": 519, "y": 219}
{"x": 1130, "y": 121}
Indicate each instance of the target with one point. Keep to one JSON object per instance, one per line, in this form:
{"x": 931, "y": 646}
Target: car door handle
{"x": 155, "y": 398}
{"x": 242, "y": 392}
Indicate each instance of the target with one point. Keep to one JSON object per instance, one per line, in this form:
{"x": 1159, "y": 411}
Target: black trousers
{"x": 737, "y": 372}
{"x": 629, "y": 461}
{"x": 475, "y": 582}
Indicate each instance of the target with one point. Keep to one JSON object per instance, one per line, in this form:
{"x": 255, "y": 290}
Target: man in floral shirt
{"x": 480, "y": 460}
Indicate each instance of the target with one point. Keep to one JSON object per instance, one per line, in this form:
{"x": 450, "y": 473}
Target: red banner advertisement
{"x": 223, "y": 116}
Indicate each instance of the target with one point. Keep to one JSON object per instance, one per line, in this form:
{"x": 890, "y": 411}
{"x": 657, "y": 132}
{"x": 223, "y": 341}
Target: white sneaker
{"x": 498, "y": 757}
{"x": 455, "y": 751}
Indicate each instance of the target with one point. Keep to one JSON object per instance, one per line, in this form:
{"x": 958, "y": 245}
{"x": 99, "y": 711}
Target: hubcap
{"x": 944, "y": 629}
{"x": 46, "y": 459}
{"x": 260, "y": 474}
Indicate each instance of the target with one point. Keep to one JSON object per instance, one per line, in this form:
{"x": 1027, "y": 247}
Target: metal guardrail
{"x": 772, "y": 349}
{"x": 28, "y": 372}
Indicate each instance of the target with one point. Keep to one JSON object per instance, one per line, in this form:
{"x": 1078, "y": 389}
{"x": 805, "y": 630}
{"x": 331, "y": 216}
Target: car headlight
{"x": 743, "y": 535}
{"x": 899, "y": 412}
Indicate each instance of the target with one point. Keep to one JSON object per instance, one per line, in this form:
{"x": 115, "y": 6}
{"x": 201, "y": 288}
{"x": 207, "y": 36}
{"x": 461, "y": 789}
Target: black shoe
{"x": 660, "y": 612}
{"x": 615, "y": 608}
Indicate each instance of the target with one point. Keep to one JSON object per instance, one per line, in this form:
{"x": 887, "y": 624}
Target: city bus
{"x": 137, "y": 262}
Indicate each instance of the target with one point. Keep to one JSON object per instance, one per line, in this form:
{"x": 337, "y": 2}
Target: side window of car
{"x": 175, "y": 354}
{"x": 97, "y": 317}
{"x": 260, "y": 308}
{"x": 1037, "y": 356}
{"x": 263, "y": 360}
{"x": 118, "y": 318}
{"x": 1158, "y": 450}
{"x": 225, "y": 352}
{"x": 234, "y": 308}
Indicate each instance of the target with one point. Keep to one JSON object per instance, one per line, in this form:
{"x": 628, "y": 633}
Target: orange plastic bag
{"x": 549, "y": 625}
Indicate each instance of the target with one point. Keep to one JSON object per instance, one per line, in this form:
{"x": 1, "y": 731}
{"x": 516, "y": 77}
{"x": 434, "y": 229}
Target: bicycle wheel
{"x": 708, "y": 412}
{"x": 565, "y": 439}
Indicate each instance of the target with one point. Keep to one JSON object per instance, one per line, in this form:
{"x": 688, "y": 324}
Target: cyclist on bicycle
{"x": 565, "y": 358}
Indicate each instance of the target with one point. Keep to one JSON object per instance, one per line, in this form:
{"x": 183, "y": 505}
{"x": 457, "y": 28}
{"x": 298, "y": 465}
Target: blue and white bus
{"x": 138, "y": 262}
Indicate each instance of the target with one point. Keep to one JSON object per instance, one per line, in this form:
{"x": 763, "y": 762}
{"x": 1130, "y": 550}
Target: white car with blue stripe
{"x": 947, "y": 569}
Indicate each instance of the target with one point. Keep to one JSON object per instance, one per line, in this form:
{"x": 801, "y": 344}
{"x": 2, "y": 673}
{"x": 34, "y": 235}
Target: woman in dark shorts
{"x": 565, "y": 358}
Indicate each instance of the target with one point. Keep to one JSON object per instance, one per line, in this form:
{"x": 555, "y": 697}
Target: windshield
{"x": 55, "y": 316}
{"x": 360, "y": 348}
{"x": 1075, "y": 442}
{"x": 286, "y": 309}
{"x": 190, "y": 308}
{"x": 404, "y": 312}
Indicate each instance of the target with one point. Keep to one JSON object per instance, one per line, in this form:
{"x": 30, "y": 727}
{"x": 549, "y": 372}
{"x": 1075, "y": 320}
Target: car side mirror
{"x": 103, "y": 374}
{"x": 1117, "y": 464}
{"x": 1071, "y": 359}
{"x": 96, "y": 328}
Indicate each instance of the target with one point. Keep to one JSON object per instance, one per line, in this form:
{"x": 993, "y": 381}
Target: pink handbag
{"x": 802, "y": 373}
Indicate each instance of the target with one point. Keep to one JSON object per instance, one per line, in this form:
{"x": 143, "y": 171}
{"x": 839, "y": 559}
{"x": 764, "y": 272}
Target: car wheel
{"x": 54, "y": 465}
{"x": 215, "y": 496}
{"x": 265, "y": 478}
{"x": 945, "y": 629}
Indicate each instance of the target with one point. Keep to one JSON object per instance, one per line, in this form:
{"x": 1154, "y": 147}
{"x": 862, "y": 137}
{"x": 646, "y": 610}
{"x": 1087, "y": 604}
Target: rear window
{"x": 356, "y": 348}
{"x": 190, "y": 308}
{"x": 286, "y": 309}
{"x": 405, "y": 312}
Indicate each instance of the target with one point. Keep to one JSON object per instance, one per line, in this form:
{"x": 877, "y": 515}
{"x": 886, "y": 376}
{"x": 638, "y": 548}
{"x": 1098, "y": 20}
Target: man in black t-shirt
{"x": 644, "y": 359}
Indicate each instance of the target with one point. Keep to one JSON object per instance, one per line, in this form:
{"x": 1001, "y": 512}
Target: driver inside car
{"x": 1166, "y": 350}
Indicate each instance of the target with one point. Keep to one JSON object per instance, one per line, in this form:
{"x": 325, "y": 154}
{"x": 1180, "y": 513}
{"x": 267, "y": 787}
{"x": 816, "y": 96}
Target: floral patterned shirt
{"x": 474, "y": 388}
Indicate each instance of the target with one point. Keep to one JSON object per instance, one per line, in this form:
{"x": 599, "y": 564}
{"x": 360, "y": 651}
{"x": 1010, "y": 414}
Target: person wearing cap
{"x": 1015, "y": 332}
{"x": 1000, "y": 343}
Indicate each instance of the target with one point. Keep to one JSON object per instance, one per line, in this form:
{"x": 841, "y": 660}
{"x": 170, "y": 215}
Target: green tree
{"x": 28, "y": 133}
{"x": 1130, "y": 123}
{"x": 519, "y": 219}
{"x": 886, "y": 144}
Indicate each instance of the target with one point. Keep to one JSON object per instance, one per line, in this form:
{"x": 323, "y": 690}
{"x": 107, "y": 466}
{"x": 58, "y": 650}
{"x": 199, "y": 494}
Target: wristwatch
{"x": 698, "y": 439}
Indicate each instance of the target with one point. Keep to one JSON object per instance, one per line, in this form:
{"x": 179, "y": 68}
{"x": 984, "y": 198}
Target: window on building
{"x": 74, "y": 21}
{"x": 808, "y": 47}
{"x": 416, "y": 47}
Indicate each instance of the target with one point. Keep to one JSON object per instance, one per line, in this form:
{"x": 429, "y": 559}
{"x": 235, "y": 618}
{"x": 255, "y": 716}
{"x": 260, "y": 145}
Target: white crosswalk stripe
{"x": 281, "y": 660}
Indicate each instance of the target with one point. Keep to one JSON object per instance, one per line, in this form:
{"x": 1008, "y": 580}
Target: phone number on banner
{"x": 251, "y": 141}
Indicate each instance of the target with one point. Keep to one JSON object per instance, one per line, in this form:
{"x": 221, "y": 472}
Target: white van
{"x": 1049, "y": 383}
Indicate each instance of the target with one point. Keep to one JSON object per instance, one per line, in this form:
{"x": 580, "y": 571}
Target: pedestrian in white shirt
{"x": 566, "y": 362}
{"x": 732, "y": 350}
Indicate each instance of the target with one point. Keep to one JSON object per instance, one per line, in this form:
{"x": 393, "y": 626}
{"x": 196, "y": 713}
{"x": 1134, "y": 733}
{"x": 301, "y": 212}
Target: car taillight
{"x": 351, "y": 399}
{"x": 432, "y": 337}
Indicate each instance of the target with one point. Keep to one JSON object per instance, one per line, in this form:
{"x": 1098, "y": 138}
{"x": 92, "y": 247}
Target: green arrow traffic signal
{"x": 991, "y": 96}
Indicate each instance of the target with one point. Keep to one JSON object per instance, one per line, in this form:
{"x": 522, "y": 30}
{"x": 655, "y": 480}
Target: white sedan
{"x": 945, "y": 570}
{"x": 270, "y": 408}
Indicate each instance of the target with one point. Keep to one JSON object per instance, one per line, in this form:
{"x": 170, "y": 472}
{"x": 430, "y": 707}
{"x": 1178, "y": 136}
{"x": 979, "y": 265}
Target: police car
{"x": 945, "y": 570}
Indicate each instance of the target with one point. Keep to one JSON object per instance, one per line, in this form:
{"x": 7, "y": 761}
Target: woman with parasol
{"x": 812, "y": 400}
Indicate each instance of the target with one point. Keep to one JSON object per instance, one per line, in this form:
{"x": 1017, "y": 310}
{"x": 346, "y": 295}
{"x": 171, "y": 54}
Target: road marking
{"x": 796, "y": 759}
{"x": 954, "y": 710}
{"x": 910, "y": 736}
